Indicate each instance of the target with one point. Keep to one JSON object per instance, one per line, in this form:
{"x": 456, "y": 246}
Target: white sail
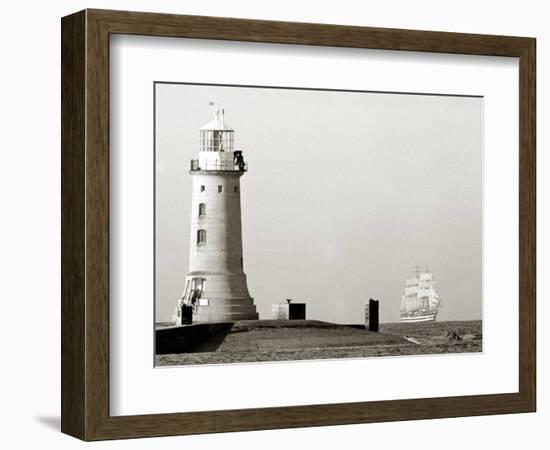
{"x": 411, "y": 290}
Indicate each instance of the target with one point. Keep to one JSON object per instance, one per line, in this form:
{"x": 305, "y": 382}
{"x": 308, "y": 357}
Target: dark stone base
{"x": 200, "y": 337}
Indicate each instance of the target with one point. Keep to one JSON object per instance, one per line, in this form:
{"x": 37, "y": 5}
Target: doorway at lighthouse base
{"x": 217, "y": 298}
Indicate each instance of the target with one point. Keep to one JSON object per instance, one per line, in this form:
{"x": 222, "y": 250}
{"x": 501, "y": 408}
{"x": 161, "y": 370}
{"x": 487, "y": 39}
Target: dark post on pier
{"x": 186, "y": 315}
{"x": 372, "y": 315}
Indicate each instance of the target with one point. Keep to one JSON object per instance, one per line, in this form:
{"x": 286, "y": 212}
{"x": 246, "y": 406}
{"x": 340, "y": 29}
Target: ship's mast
{"x": 417, "y": 270}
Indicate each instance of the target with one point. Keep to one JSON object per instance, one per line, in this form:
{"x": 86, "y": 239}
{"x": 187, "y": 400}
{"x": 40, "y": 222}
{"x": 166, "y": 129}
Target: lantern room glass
{"x": 216, "y": 141}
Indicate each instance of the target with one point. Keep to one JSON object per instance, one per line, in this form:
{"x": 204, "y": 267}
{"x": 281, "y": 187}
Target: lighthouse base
{"x": 217, "y": 297}
{"x": 226, "y": 310}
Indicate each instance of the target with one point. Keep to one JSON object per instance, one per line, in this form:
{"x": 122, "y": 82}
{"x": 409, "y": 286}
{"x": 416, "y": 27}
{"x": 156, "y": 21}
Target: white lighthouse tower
{"x": 215, "y": 285}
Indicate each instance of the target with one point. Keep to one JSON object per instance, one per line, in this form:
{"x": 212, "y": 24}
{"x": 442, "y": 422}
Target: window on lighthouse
{"x": 201, "y": 237}
{"x": 220, "y": 188}
{"x": 202, "y": 209}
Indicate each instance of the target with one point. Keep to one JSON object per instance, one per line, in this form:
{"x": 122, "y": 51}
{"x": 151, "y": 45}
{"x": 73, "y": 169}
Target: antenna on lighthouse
{"x": 217, "y": 110}
{"x": 219, "y": 120}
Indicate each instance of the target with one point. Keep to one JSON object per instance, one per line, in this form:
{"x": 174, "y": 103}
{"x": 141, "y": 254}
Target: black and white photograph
{"x": 305, "y": 224}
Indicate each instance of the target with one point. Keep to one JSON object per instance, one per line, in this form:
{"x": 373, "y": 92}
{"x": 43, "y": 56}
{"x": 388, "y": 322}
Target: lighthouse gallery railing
{"x": 214, "y": 165}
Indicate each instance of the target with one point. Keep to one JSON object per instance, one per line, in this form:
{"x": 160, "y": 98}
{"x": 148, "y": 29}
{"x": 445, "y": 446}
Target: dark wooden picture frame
{"x": 85, "y": 224}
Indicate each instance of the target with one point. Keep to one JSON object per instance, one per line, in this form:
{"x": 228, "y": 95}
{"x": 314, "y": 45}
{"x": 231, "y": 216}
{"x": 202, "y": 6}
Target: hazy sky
{"x": 345, "y": 193}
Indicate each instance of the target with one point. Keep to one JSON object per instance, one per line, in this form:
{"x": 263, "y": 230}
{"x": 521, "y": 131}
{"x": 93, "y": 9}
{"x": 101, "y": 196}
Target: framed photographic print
{"x": 272, "y": 225}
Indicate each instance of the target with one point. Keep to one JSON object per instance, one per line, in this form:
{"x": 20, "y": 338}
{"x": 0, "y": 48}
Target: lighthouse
{"x": 215, "y": 286}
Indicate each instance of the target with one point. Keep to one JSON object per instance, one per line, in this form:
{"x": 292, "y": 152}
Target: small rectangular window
{"x": 236, "y": 189}
{"x": 201, "y": 236}
{"x": 203, "y": 187}
{"x": 202, "y": 209}
{"x": 220, "y": 188}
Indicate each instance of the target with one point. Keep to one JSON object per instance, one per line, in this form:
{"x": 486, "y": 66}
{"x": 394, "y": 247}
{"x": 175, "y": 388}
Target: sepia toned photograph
{"x": 300, "y": 224}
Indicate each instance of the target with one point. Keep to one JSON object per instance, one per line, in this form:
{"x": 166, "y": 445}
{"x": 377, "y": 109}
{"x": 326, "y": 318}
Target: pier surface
{"x": 288, "y": 340}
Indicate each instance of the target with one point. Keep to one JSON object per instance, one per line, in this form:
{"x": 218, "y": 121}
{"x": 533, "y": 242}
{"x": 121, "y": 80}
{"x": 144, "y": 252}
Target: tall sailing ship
{"x": 420, "y": 302}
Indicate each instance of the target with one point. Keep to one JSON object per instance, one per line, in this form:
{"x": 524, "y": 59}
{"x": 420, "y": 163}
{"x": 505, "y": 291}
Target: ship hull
{"x": 423, "y": 317}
